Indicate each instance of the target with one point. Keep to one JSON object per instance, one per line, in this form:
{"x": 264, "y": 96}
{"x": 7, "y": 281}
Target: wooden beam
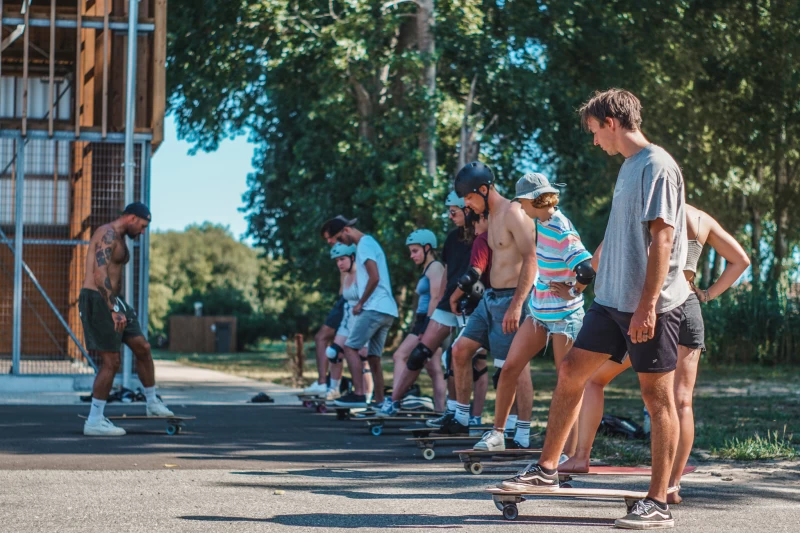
{"x": 159, "y": 72}
{"x": 78, "y": 74}
{"x": 106, "y": 54}
{"x": 25, "y": 53}
{"x": 52, "y": 64}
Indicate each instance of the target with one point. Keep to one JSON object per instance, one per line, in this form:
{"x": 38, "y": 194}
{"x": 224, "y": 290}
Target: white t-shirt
{"x": 381, "y": 299}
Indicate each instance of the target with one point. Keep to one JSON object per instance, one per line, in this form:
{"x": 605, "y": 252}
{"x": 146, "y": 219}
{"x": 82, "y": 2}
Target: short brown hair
{"x": 548, "y": 199}
{"x": 613, "y": 103}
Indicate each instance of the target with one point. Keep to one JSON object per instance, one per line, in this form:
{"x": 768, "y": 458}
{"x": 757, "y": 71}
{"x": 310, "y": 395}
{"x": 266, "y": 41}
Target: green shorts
{"x": 98, "y": 324}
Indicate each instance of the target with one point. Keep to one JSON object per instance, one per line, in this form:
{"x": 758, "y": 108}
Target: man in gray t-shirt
{"x": 640, "y": 290}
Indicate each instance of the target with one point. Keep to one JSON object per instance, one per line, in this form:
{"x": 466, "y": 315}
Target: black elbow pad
{"x": 584, "y": 272}
{"x": 466, "y": 281}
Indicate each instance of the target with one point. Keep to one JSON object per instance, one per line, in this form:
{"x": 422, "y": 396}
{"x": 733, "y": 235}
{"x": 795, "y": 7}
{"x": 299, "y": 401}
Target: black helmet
{"x": 470, "y": 178}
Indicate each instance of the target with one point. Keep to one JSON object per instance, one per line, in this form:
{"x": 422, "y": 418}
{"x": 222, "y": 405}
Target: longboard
{"x": 506, "y": 500}
{"x": 613, "y": 471}
{"x": 471, "y": 458}
{"x": 428, "y": 443}
{"x": 174, "y": 423}
{"x": 423, "y": 431}
{"x": 314, "y": 401}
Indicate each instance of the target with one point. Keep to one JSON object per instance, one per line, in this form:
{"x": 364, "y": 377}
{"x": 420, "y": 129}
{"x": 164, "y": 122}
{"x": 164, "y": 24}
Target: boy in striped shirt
{"x": 556, "y": 302}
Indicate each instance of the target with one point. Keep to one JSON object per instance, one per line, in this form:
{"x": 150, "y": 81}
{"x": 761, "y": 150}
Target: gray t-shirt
{"x": 649, "y": 186}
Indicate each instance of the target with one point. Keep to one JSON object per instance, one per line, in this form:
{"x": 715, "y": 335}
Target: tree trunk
{"x": 427, "y": 48}
{"x": 781, "y": 213}
{"x": 755, "y": 245}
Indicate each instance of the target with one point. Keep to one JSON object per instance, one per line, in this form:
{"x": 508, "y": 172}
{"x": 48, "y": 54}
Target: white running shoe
{"x": 102, "y": 428}
{"x": 317, "y": 389}
{"x": 492, "y": 441}
{"x": 157, "y": 408}
{"x": 333, "y": 394}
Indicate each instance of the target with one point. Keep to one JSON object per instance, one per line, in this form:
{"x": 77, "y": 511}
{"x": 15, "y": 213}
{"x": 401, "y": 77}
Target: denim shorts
{"x": 370, "y": 329}
{"x": 569, "y": 326}
{"x": 485, "y": 324}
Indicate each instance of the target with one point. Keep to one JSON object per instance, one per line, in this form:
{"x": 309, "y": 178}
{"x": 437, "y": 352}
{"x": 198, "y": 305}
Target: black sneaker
{"x": 451, "y": 428}
{"x": 436, "y": 423}
{"x": 515, "y": 445}
{"x": 646, "y": 514}
{"x": 351, "y": 400}
{"x": 533, "y": 477}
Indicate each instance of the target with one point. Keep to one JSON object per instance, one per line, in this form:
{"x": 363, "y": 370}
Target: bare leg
{"x": 321, "y": 341}
{"x": 528, "y": 341}
{"x": 451, "y": 388}
{"x": 400, "y": 358}
{"x": 524, "y": 393}
{"x": 573, "y": 373}
{"x": 659, "y": 397}
{"x": 356, "y": 367}
{"x": 462, "y": 351}
{"x": 104, "y": 379}
{"x": 434, "y": 336}
{"x": 591, "y": 414}
{"x": 685, "y": 378}
{"x": 434, "y": 369}
{"x": 561, "y": 345}
{"x": 480, "y": 387}
{"x": 377, "y": 377}
{"x": 144, "y": 360}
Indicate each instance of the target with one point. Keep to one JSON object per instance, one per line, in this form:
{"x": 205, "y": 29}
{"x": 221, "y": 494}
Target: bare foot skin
{"x": 674, "y": 498}
{"x": 574, "y": 465}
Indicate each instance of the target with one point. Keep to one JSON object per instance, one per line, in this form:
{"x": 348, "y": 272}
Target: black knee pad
{"x": 496, "y": 377}
{"x": 477, "y": 374}
{"x": 334, "y": 353}
{"x": 363, "y": 358}
{"x": 480, "y": 356}
{"x": 418, "y": 357}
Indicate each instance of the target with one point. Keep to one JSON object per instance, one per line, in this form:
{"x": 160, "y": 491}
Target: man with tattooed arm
{"x": 108, "y": 321}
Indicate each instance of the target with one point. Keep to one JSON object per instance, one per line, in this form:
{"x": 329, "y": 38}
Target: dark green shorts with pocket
{"x": 98, "y": 324}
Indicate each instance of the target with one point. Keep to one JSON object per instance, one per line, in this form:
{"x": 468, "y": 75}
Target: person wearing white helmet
{"x": 345, "y": 257}
{"x": 455, "y": 255}
{"x": 422, "y": 246}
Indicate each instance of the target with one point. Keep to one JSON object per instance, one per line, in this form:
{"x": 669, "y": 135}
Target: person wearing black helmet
{"x": 501, "y": 311}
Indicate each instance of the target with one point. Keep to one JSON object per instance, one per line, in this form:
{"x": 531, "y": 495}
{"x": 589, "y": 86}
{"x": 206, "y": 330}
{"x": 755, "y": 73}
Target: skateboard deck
{"x": 314, "y": 401}
{"x": 428, "y": 443}
{"x": 471, "y": 458}
{"x": 615, "y": 471}
{"x": 174, "y": 423}
{"x": 506, "y": 500}
{"x": 422, "y": 431}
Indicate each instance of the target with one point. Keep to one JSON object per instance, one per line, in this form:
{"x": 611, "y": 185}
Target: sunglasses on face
{"x": 452, "y": 212}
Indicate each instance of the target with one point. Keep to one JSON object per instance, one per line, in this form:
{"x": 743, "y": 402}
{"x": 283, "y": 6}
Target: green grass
{"x": 733, "y": 405}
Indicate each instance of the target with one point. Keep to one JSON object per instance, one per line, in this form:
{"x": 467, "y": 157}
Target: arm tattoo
{"x": 100, "y": 257}
{"x": 109, "y": 237}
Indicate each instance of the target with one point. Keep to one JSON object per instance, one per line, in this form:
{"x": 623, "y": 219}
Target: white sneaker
{"x": 333, "y": 394}
{"x": 157, "y": 408}
{"x": 492, "y": 441}
{"x": 102, "y": 428}
{"x": 317, "y": 389}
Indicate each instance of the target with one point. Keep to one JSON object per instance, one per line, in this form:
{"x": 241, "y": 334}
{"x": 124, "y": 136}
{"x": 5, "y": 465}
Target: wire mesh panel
{"x": 70, "y": 189}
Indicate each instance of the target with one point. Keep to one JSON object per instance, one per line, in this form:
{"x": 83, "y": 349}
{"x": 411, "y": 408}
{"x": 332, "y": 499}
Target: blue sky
{"x": 189, "y": 189}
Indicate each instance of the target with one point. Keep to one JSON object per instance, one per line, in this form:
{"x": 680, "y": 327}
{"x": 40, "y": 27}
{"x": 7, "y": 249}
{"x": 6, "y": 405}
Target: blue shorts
{"x": 569, "y": 326}
{"x": 485, "y": 324}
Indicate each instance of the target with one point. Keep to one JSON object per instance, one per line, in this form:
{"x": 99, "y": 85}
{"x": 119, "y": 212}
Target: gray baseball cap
{"x": 533, "y": 185}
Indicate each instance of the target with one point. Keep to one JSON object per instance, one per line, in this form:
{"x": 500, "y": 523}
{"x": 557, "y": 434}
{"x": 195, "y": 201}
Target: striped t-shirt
{"x": 558, "y": 251}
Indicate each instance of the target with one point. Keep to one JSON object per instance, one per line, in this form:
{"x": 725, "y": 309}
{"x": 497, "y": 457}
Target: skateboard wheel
{"x": 172, "y": 429}
{"x": 307, "y": 404}
{"x": 565, "y": 485}
{"x": 322, "y": 408}
{"x": 510, "y": 511}
{"x": 476, "y": 469}
{"x": 376, "y": 430}
{"x": 429, "y": 454}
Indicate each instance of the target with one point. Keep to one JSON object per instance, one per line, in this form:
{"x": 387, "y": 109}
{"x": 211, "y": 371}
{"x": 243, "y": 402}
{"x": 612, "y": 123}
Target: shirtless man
{"x": 501, "y": 311}
{"x": 108, "y": 321}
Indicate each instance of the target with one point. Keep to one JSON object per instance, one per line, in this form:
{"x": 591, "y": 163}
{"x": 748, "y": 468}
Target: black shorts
{"x": 98, "y": 324}
{"x": 693, "y": 330}
{"x": 420, "y": 323}
{"x": 334, "y": 318}
{"x": 605, "y": 330}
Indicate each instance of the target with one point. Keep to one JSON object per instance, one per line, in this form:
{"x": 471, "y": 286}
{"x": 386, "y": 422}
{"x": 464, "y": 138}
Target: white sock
{"x": 475, "y": 421}
{"x": 96, "y": 412}
{"x": 150, "y": 394}
{"x": 511, "y": 422}
{"x": 335, "y": 384}
{"x": 462, "y": 413}
{"x": 451, "y": 406}
{"x": 523, "y": 433}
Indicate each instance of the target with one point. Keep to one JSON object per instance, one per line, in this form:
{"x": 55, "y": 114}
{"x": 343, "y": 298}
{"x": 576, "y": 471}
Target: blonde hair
{"x": 548, "y": 199}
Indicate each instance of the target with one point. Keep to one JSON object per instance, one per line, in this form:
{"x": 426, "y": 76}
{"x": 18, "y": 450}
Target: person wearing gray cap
{"x": 375, "y": 310}
{"x": 555, "y": 306}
